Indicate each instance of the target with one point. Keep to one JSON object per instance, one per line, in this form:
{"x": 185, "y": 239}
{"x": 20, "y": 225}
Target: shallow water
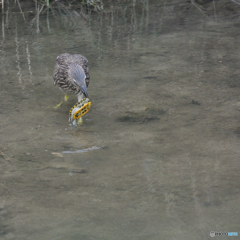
{"x": 157, "y": 156}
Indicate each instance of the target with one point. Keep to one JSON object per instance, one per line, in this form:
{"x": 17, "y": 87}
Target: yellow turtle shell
{"x": 79, "y": 109}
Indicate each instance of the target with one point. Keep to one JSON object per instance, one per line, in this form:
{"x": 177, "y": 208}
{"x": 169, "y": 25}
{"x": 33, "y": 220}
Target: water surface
{"x": 157, "y": 156}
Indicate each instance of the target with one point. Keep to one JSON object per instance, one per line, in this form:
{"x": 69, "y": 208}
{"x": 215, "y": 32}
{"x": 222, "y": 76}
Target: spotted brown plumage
{"x": 71, "y": 74}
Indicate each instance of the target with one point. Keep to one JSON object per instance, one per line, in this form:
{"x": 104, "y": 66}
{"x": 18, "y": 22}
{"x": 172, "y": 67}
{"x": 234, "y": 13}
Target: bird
{"x": 71, "y": 74}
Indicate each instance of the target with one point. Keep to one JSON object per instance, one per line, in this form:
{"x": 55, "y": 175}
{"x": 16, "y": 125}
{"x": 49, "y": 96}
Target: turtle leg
{"x": 80, "y": 120}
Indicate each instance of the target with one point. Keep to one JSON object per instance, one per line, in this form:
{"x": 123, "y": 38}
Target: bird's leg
{"x": 80, "y": 121}
{"x": 80, "y": 96}
{"x": 58, "y": 105}
{"x": 77, "y": 122}
{"x": 65, "y": 99}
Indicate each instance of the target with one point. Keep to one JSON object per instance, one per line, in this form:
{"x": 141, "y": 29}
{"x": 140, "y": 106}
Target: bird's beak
{"x": 84, "y": 90}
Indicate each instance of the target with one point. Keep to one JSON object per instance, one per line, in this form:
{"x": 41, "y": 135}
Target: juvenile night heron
{"x": 71, "y": 74}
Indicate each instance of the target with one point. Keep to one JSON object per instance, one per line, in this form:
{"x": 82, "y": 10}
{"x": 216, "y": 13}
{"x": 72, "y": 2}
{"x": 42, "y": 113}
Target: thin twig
{"x": 235, "y": 2}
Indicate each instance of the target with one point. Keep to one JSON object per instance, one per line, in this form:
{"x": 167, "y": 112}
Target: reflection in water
{"x": 18, "y": 59}
{"x": 29, "y": 61}
{"x": 82, "y": 150}
{"x": 3, "y": 27}
{"x": 164, "y": 121}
